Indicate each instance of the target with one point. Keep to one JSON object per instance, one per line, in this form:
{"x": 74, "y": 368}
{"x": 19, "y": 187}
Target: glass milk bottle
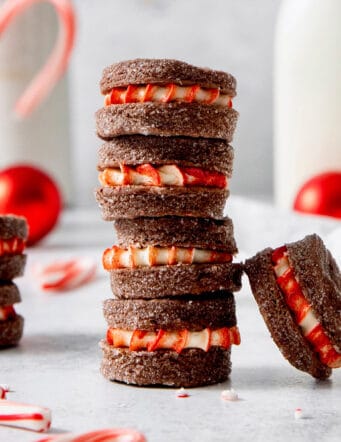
{"x": 307, "y": 95}
{"x": 42, "y": 138}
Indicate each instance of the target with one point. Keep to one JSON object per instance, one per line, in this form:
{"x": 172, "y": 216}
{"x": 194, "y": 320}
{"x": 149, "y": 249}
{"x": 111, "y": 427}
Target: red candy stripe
{"x": 175, "y": 339}
{"x": 142, "y": 94}
{"x": 12, "y": 246}
{"x": 299, "y": 306}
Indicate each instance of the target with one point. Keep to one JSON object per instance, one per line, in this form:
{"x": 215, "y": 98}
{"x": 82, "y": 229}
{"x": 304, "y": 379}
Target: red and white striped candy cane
{"x": 29, "y": 417}
{"x": 56, "y": 64}
{"x": 107, "y": 435}
{"x": 65, "y": 275}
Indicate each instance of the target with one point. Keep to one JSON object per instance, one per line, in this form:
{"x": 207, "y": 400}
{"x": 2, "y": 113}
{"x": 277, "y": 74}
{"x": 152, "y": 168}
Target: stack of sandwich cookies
{"x": 164, "y": 172}
{"x": 13, "y": 235}
{"x": 162, "y": 159}
{"x": 298, "y": 291}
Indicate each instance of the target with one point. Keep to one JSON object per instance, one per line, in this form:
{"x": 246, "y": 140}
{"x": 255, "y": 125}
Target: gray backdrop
{"x": 231, "y": 35}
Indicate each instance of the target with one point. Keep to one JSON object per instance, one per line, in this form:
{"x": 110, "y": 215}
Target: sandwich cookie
{"x": 298, "y": 291}
{"x": 174, "y": 342}
{"x": 157, "y": 176}
{"x": 13, "y": 235}
{"x": 166, "y": 98}
{"x": 172, "y": 256}
{"x": 11, "y": 324}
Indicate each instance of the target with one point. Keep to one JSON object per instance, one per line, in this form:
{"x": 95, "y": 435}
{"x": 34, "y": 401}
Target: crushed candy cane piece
{"x": 29, "y": 417}
{"x": 229, "y": 395}
{"x": 108, "y": 435}
{"x": 3, "y": 392}
{"x": 65, "y": 275}
{"x": 298, "y": 413}
{"x": 182, "y": 393}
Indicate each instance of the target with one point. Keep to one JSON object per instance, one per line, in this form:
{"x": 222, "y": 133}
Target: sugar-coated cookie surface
{"x": 176, "y": 280}
{"x": 13, "y": 226}
{"x": 208, "y": 153}
{"x": 163, "y": 71}
{"x": 167, "y": 119}
{"x": 190, "y": 368}
{"x": 215, "y": 310}
{"x": 204, "y": 233}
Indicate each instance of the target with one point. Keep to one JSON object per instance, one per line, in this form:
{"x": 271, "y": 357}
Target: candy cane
{"x": 56, "y": 64}
{"x": 65, "y": 275}
{"x": 25, "y": 416}
{"x": 108, "y": 435}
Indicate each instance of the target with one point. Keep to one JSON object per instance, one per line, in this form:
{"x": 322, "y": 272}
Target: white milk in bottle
{"x": 307, "y": 106}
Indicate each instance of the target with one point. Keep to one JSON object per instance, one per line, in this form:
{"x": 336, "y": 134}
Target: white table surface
{"x": 57, "y": 362}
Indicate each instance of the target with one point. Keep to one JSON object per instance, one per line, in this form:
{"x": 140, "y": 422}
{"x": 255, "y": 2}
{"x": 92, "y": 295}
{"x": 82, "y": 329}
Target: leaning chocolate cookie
{"x": 298, "y": 291}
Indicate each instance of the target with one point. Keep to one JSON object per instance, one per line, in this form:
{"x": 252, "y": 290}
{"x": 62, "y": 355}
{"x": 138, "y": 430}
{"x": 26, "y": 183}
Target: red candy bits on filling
{"x": 165, "y": 94}
{"x": 300, "y": 307}
{"x": 175, "y": 340}
{"x": 7, "y": 312}
{"x": 166, "y": 175}
{"x": 12, "y": 246}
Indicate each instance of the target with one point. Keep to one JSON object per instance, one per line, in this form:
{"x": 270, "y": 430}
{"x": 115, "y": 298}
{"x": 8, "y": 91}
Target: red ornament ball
{"x": 28, "y": 191}
{"x": 321, "y": 195}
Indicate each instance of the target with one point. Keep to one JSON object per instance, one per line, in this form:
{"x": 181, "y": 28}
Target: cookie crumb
{"x": 298, "y": 413}
{"x": 229, "y": 395}
{"x": 182, "y": 393}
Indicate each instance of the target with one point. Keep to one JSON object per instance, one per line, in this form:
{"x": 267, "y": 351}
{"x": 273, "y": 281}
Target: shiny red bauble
{"x": 321, "y": 195}
{"x": 28, "y": 191}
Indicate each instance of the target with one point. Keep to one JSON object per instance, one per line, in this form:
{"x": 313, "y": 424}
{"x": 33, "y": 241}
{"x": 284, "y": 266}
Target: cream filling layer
{"x": 166, "y": 94}
{"x": 309, "y": 320}
{"x": 116, "y": 257}
{"x": 6, "y": 312}
{"x": 167, "y": 175}
{"x": 173, "y": 340}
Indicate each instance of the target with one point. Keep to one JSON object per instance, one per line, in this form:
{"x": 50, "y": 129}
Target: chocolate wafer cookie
{"x": 13, "y": 235}
{"x": 168, "y": 342}
{"x": 138, "y": 201}
{"x": 11, "y": 324}
{"x": 298, "y": 291}
{"x": 209, "y": 154}
{"x": 166, "y": 119}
